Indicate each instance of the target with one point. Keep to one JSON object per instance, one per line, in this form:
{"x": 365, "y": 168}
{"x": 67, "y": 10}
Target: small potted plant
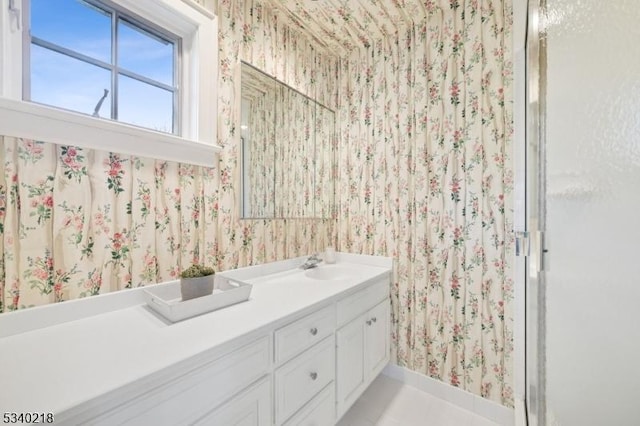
{"x": 196, "y": 281}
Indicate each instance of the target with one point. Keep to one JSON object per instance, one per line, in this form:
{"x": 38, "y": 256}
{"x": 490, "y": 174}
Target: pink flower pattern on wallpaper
{"x": 115, "y": 173}
{"x": 73, "y": 162}
{"x": 424, "y": 177}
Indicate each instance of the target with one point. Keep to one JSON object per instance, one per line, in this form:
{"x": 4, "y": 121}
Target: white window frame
{"x": 198, "y": 29}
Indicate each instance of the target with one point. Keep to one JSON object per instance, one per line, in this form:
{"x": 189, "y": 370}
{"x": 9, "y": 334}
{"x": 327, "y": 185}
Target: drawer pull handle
{"x": 368, "y": 322}
{"x": 313, "y": 331}
{"x": 313, "y": 375}
{"x": 373, "y": 319}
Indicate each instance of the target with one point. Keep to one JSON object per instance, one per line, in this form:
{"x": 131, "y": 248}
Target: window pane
{"x": 65, "y": 82}
{"x": 144, "y": 105}
{"x": 73, "y": 24}
{"x": 145, "y": 54}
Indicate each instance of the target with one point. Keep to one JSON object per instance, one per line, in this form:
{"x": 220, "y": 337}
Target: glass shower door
{"x": 590, "y": 313}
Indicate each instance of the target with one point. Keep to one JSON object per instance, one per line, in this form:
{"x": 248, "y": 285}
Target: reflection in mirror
{"x": 326, "y": 160}
{"x": 295, "y": 154}
{"x": 258, "y": 149}
{"x": 288, "y": 146}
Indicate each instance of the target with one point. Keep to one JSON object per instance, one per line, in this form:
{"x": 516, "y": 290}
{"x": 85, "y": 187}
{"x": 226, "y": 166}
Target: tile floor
{"x": 388, "y": 402}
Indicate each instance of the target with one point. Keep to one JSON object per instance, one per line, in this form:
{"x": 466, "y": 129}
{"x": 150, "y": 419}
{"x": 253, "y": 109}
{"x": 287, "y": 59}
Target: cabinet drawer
{"x": 183, "y": 400}
{"x": 352, "y": 306}
{"x": 251, "y": 408}
{"x": 319, "y": 412}
{"x": 294, "y": 338}
{"x": 300, "y": 379}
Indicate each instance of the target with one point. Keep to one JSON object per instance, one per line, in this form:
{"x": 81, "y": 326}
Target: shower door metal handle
{"x": 523, "y": 245}
{"x": 542, "y": 259}
{"x": 532, "y": 247}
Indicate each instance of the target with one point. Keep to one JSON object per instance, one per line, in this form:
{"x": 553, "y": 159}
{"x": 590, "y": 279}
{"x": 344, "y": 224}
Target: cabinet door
{"x": 376, "y": 339}
{"x": 251, "y": 408}
{"x": 350, "y": 376}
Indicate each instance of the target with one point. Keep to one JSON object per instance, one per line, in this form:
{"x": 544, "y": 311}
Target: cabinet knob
{"x": 313, "y": 331}
{"x": 368, "y": 322}
{"x": 313, "y": 375}
{"x": 373, "y": 319}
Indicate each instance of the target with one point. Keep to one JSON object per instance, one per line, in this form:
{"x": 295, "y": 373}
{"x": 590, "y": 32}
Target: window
{"x": 99, "y": 73}
{"x": 88, "y": 57}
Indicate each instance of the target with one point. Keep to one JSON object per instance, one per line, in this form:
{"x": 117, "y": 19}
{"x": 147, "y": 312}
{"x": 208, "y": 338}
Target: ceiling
{"x": 342, "y": 25}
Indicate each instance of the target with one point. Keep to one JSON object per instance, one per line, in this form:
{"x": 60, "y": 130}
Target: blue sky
{"x": 63, "y": 81}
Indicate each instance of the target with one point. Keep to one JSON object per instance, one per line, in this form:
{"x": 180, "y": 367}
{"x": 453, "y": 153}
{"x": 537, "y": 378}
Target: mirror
{"x": 288, "y": 150}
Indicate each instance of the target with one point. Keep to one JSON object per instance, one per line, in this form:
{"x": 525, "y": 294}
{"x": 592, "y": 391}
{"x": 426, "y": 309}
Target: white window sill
{"x": 43, "y": 123}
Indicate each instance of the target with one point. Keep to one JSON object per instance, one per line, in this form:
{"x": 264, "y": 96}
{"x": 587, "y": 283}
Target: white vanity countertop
{"x": 55, "y": 368}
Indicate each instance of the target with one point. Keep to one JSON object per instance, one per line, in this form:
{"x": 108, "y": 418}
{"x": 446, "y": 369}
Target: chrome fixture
{"x": 311, "y": 262}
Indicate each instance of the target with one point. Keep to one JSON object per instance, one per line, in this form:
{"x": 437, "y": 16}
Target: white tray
{"x": 166, "y": 300}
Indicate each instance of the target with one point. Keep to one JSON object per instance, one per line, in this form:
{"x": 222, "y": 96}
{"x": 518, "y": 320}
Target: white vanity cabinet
{"x": 310, "y": 375}
{"x": 322, "y": 382}
{"x": 362, "y": 344}
{"x": 299, "y": 352}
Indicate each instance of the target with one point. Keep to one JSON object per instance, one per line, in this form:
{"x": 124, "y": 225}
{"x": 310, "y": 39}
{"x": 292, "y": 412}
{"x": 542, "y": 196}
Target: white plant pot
{"x": 190, "y": 288}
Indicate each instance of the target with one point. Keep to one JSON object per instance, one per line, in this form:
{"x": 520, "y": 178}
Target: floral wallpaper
{"x": 294, "y": 144}
{"x": 258, "y": 140}
{"x": 325, "y": 163}
{"x": 75, "y": 223}
{"x": 80, "y": 222}
{"x": 426, "y": 177}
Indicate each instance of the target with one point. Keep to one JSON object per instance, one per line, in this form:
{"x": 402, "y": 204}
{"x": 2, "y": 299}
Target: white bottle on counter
{"x": 330, "y": 255}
